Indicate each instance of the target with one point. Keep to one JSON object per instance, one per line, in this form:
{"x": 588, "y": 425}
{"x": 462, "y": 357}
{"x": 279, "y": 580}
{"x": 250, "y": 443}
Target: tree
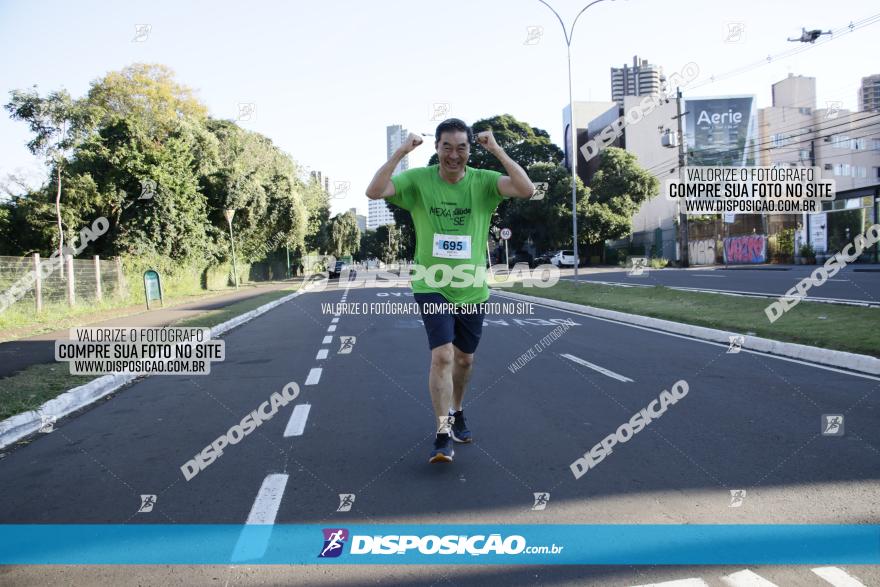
{"x": 58, "y": 124}
{"x": 617, "y": 190}
{"x": 388, "y": 236}
{"x": 370, "y": 246}
{"x": 345, "y": 236}
{"x": 547, "y": 222}
{"x": 317, "y": 202}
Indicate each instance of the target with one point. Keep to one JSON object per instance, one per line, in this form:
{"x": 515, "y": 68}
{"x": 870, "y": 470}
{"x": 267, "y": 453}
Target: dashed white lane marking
{"x": 695, "y": 582}
{"x": 334, "y": 321}
{"x": 314, "y": 376}
{"x": 331, "y": 328}
{"x": 268, "y": 500}
{"x": 297, "y": 422}
{"x": 838, "y": 577}
{"x": 322, "y": 354}
{"x": 254, "y": 537}
{"x": 746, "y": 578}
{"x": 595, "y": 367}
{"x": 327, "y": 340}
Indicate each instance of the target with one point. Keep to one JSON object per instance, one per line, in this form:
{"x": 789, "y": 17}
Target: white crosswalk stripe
{"x": 838, "y": 577}
{"x": 695, "y": 582}
{"x": 746, "y": 578}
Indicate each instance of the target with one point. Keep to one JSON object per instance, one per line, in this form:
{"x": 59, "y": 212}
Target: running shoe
{"x": 460, "y": 432}
{"x": 443, "y": 451}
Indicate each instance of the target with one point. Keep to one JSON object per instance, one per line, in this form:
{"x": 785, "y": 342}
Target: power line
{"x": 835, "y": 34}
{"x": 808, "y": 131}
{"x": 813, "y": 138}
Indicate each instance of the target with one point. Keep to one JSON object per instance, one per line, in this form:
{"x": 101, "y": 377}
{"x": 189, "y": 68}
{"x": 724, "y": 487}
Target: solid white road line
{"x": 331, "y": 328}
{"x": 695, "y": 582}
{"x": 297, "y": 422}
{"x": 595, "y": 367}
{"x": 746, "y": 578}
{"x": 254, "y": 537}
{"x": 327, "y": 340}
{"x": 322, "y": 354}
{"x": 838, "y": 577}
{"x": 314, "y": 376}
{"x": 700, "y": 340}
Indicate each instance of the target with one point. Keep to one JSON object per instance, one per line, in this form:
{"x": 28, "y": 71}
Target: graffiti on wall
{"x": 702, "y": 252}
{"x": 745, "y": 249}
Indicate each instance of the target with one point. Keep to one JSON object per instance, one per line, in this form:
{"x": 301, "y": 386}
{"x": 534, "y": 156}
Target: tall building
{"x": 322, "y": 180}
{"x": 869, "y": 93}
{"x": 378, "y": 213}
{"x": 641, "y": 79}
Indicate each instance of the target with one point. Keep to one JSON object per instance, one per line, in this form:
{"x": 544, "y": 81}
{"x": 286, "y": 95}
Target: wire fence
{"x": 37, "y": 282}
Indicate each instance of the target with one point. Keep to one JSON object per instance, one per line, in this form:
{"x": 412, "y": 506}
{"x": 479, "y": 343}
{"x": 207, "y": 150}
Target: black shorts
{"x": 462, "y": 327}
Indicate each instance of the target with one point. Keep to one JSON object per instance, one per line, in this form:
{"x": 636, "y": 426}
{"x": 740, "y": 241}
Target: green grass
{"x": 215, "y": 317}
{"x": 29, "y": 389}
{"x": 844, "y": 328}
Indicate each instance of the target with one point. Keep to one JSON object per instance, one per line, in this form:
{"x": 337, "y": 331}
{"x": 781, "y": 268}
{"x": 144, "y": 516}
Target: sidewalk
{"x": 18, "y": 355}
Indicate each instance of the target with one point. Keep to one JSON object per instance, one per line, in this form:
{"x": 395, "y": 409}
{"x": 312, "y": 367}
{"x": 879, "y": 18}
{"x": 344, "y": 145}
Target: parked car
{"x": 563, "y": 259}
{"x": 543, "y": 259}
{"x": 341, "y": 266}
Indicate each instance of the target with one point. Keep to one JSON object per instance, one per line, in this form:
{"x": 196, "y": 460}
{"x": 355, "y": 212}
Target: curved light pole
{"x": 573, "y": 127}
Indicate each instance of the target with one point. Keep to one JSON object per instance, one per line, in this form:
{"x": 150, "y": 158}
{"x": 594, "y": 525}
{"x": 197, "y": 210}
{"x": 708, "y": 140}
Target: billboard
{"x": 721, "y": 131}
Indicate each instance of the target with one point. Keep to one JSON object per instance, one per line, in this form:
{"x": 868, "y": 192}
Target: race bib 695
{"x": 452, "y": 246}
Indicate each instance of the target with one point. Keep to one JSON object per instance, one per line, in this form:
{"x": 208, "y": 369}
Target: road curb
{"x": 831, "y": 358}
{"x": 17, "y": 427}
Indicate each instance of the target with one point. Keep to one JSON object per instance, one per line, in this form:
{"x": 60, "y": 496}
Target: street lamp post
{"x": 229, "y": 213}
{"x": 573, "y": 128}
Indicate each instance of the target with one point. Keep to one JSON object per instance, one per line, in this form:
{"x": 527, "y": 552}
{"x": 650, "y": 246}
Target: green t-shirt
{"x": 452, "y": 228}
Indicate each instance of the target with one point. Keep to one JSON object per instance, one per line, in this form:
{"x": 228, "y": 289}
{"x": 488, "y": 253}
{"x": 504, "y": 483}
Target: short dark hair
{"x": 453, "y": 124}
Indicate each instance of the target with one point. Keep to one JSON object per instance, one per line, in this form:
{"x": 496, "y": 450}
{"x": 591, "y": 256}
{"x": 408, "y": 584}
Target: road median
{"x": 834, "y": 336}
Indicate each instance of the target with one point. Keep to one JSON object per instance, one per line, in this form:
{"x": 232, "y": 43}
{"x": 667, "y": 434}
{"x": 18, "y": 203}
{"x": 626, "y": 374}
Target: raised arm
{"x": 516, "y": 183}
{"x": 381, "y": 186}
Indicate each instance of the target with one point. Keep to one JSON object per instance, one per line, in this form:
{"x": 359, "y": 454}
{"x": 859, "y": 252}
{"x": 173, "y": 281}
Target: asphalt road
{"x": 852, "y": 284}
{"x": 749, "y": 422}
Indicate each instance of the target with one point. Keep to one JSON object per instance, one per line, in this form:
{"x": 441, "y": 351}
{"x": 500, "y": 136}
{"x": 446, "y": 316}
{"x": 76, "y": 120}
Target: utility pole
{"x": 682, "y": 161}
{"x": 569, "y": 33}
{"x": 229, "y": 213}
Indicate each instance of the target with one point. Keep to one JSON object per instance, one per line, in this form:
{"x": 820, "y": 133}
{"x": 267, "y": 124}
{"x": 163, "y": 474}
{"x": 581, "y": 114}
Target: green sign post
{"x": 153, "y": 287}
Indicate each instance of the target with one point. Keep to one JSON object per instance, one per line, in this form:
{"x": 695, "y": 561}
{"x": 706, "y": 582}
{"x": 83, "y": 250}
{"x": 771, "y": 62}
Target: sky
{"x": 325, "y": 78}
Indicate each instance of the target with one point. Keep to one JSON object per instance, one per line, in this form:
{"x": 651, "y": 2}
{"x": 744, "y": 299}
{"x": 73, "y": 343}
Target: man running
{"x": 451, "y": 206}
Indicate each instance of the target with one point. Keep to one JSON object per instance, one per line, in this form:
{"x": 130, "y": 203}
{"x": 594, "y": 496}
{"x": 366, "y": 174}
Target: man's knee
{"x": 442, "y": 356}
{"x": 464, "y": 360}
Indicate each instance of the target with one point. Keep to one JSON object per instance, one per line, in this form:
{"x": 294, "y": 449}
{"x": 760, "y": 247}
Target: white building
{"x": 378, "y": 213}
{"x": 641, "y": 79}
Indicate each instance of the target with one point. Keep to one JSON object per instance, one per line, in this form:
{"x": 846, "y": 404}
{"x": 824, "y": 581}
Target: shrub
{"x": 659, "y": 262}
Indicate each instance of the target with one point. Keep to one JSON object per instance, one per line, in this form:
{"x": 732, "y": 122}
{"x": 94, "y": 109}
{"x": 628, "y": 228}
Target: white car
{"x": 562, "y": 258}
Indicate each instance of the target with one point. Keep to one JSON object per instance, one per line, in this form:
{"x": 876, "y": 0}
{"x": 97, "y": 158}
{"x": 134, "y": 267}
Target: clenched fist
{"x": 487, "y": 140}
{"x": 412, "y": 141}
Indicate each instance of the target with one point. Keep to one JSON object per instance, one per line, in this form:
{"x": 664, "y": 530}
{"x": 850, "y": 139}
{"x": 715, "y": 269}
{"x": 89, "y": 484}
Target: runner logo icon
{"x": 346, "y": 500}
{"x": 334, "y": 540}
{"x": 541, "y": 500}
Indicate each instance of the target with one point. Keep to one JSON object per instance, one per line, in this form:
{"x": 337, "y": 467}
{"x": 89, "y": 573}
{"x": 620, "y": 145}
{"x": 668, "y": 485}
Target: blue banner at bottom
{"x": 744, "y": 544}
